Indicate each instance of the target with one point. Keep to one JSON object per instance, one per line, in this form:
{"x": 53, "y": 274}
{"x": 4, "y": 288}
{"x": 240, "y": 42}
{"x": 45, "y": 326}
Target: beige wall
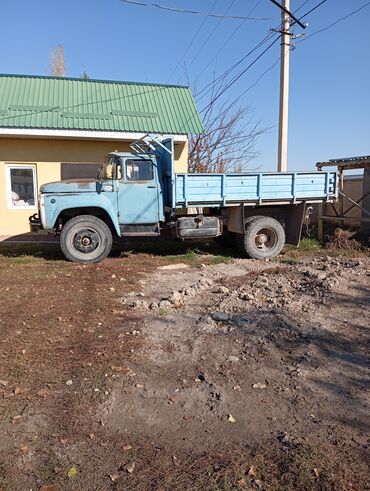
{"x": 46, "y": 156}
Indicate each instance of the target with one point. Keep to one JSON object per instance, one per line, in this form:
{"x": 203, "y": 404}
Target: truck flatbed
{"x": 218, "y": 190}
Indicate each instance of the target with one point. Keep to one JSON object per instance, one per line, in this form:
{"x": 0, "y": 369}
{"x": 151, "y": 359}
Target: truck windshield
{"x": 111, "y": 169}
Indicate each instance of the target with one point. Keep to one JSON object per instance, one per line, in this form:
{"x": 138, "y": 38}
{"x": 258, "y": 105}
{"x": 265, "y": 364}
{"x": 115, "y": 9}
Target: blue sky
{"x": 330, "y": 72}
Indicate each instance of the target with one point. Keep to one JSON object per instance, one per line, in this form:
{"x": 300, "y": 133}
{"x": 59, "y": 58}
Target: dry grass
{"x": 344, "y": 240}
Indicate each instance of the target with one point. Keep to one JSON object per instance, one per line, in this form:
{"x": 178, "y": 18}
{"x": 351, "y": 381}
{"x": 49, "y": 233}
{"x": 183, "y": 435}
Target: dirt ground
{"x": 172, "y": 369}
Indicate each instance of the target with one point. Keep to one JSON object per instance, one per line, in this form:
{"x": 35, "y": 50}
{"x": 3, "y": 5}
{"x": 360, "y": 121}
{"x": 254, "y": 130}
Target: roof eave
{"x": 83, "y": 134}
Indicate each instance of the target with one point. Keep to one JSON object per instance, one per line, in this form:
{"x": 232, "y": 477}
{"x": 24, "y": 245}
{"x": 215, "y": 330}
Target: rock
{"x": 220, "y": 289}
{"x": 176, "y": 295}
{"x": 153, "y": 306}
{"x": 114, "y": 477}
{"x": 206, "y": 319}
{"x": 48, "y": 487}
{"x": 220, "y": 316}
{"x": 190, "y": 292}
{"x": 231, "y": 418}
{"x": 164, "y": 304}
{"x": 232, "y": 358}
{"x": 174, "y": 266}
{"x": 130, "y": 467}
{"x": 259, "y": 385}
{"x": 69, "y": 382}
{"x": 138, "y": 304}
{"x": 205, "y": 282}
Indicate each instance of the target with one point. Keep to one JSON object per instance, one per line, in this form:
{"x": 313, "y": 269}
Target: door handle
{"x": 151, "y": 187}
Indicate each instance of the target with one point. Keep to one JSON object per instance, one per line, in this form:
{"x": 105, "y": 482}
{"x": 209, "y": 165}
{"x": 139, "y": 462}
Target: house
{"x": 60, "y": 128}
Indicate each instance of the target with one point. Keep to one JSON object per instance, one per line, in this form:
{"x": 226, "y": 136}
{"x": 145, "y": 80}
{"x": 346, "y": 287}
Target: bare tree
{"x": 85, "y": 76}
{"x": 228, "y": 142}
{"x": 57, "y": 64}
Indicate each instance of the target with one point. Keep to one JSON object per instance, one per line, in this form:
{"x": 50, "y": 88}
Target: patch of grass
{"x": 310, "y": 245}
{"x": 220, "y": 259}
{"x": 162, "y": 312}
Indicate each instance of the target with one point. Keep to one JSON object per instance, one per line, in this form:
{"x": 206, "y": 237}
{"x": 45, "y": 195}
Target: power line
{"x": 313, "y": 9}
{"x": 239, "y": 75}
{"x": 192, "y": 41}
{"x": 228, "y": 40}
{"x": 232, "y": 67}
{"x": 196, "y": 12}
{"x": 256, "y": 81}
{"x": 301, "y": 6}
{"x": 334, "y": 23}
{"x": 211, "y": 34}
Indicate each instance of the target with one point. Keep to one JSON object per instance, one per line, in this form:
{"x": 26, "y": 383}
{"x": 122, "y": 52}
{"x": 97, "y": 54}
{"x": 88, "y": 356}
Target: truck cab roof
{"x": 130, "y": 154}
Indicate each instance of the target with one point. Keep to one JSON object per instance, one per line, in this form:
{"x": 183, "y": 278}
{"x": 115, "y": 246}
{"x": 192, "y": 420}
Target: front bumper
{"x": 35, "y": 223}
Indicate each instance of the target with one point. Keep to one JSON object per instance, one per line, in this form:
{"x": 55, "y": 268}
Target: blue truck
{"x": 138, "y": 194}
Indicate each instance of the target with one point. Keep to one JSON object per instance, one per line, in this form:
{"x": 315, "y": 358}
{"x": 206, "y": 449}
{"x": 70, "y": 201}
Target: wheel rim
{"x": 86, "y": 240}
{"x": 266, "y": 239}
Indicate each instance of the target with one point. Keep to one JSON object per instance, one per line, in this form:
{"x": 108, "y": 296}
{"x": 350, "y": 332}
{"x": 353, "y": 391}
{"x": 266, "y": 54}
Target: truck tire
{"x": 86, "y": 239}
{"x": 264, "y": 237}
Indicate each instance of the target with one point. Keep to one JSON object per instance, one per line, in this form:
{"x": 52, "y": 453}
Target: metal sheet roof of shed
{"x": 70, "y": 103}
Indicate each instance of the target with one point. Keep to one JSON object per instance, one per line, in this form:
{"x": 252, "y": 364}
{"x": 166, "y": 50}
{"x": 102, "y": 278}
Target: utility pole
{"x": 284, "y": 88}
{"x": 286, "y": 15}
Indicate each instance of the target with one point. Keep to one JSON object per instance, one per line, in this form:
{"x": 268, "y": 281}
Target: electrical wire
{"x": 228, "y": 40}
{"x": 239, "y": 75}
{"x": 210, "y": 85}
{"x": 192, "y": 41}
{"x": 313, "y": 9}
{"x": 301, "y": 6}
{"x": 210, "y": 34}
{"x": 196, "y": 12}
{"x": 330, "y": 26}
{"x": 256, "y": 81}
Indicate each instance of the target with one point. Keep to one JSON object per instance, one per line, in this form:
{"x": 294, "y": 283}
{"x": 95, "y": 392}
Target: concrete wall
{"x": 46, "y": 156}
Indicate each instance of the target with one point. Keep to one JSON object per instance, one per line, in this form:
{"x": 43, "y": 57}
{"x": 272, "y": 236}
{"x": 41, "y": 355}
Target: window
{"x": 71, "y": 170}
{"x": 22, "y": 186}
{"x": 139, "y": 170}
{"x": 111, "y": 168}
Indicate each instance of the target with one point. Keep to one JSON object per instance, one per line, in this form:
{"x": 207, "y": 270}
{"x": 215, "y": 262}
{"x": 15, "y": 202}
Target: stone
{"x": 164, "y": 304}
{"x": 190, "y": 292}
{"x": 174, "y": 266}
{"x": 69, "y": 382}
{"x": 220, "y": 316}
{"x": 48, "y": 487}
{"x": 232, "y": 358}
{"x": 259, "y": 385}
{"x": 176, "y": 295}
{"x": 130, "y": 467}
{"x": 220, "y": 289}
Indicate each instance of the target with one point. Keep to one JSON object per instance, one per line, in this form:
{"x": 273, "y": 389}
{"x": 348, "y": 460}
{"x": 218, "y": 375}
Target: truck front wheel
{"x": 264, "y": 237}
{"x": 86, "y": 239}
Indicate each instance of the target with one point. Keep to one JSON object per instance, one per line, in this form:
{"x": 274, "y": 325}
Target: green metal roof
{"x": 70, "y": 103}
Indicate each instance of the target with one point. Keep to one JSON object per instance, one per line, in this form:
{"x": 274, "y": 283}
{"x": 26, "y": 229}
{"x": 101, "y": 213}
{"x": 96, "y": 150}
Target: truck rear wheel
{"x": 264, "y": 237}
{"x": 86, "y": 239}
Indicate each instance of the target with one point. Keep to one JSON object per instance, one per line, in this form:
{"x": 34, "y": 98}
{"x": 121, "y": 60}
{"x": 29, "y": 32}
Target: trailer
{"x": 139, "y": 194}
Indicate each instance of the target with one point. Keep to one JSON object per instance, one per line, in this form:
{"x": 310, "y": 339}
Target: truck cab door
{"x": 139, "y": 193}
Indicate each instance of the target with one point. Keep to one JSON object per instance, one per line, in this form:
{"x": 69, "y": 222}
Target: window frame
{"x": 139, "y": 180}
{"x": 8, "y": 169}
